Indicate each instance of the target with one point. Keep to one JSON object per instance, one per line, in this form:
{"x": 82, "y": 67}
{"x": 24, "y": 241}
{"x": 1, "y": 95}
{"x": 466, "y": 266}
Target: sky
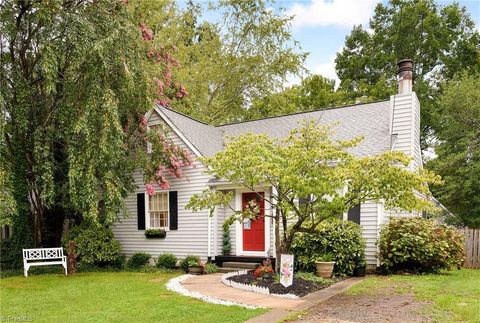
{"x": 320, "y": 26}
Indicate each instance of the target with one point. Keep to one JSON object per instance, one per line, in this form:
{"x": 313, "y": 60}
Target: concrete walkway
{"x": 211, "y": 285}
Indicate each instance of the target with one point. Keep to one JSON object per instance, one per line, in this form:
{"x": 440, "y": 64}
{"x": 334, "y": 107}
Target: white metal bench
{"x": 50, "y": 256}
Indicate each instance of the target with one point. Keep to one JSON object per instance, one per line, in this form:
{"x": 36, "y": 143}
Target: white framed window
{"x": 158, "y": 211}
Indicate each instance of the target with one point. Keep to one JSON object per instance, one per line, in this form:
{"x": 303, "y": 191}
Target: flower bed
{"x": 299, "y": 288}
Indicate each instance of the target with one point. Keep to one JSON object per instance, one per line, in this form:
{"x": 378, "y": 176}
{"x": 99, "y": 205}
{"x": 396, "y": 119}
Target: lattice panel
{"x": 46, "y": 253}
{"x": 35, "y": 254}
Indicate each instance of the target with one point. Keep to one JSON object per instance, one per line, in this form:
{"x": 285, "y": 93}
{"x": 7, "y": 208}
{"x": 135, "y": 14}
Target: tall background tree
{"x": 227, "y": 64}
{"x": 458, "y": 149}
{"x": 441, "y": 40}
{"x": 76, "y": 79}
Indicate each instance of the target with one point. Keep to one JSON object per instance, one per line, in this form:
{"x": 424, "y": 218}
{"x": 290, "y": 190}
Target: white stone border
{"x": 249, "y": 287}
{"x": 175, "y": 285}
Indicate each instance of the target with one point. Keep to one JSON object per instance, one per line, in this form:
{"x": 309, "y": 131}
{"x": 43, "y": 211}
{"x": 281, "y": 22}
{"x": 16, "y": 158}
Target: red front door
{"x": 254, "y": 229}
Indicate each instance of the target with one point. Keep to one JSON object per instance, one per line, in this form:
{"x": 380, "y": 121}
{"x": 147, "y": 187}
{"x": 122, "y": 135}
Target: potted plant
{"x": 155, "y": 233}
{"x": 195, "y": 268}
{"x": 192, "y": 265}
{"x": 324, "y": 265}
{"x": 360, "y": 269}
{"x": 226, "y": 246}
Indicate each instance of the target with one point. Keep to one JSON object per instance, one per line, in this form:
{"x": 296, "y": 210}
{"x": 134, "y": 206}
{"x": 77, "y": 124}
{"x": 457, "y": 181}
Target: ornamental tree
{"x": 76, "y": 79}
{"x": 309, "y": 165}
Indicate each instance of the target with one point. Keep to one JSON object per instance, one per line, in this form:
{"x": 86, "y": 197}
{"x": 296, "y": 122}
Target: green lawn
{"x": 108, "y": 297}
{"x": 455, "y": 295}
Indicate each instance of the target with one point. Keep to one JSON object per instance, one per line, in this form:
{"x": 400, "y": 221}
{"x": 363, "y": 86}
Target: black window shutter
{"x": 141, "y": 211}
{"x": 354, "y": 214}
{"x": 173, "y": 205}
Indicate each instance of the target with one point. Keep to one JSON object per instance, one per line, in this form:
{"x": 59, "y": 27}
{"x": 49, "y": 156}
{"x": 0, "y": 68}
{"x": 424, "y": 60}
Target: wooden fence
{"x": 472, "y": 247}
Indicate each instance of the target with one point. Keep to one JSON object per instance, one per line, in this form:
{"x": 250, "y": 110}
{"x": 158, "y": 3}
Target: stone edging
{"x": 251, "y": 288}
{"x": 175, "y": 285}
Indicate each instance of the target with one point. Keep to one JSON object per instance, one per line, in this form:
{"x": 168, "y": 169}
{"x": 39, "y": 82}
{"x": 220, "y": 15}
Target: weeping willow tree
{"x": 76, "y": 80}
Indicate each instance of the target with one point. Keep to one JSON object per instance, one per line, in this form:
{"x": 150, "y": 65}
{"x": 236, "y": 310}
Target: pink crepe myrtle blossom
{"x": 147, "y": 33}
{"x": 163, "y": 102}
{"x": 150, "y": 189}
{"x": 160, "y": 87}
{"x": 165, "y": 186}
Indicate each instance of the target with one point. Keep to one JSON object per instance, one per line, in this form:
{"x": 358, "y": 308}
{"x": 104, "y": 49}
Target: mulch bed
{"x": 300, "y": 287}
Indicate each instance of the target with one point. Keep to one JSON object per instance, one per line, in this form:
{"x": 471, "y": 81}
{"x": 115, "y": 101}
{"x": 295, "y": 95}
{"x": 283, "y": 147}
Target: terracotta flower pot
{"x": 195, "y": 270}
{"x": 324, "y": 269}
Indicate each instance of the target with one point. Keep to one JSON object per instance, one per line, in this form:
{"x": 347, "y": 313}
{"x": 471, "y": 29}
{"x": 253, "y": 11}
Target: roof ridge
{"x": 272, "y": 117}
{"x": 303, "y": 112}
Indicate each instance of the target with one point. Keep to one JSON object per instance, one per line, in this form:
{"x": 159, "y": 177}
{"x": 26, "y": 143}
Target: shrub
{"x": 226, "y": 244}
{"x": 189, "y": 261}
{"x": 95, "y": 244}
{"x": 211, "y": 268}
{"x": 138, "y": 260}
{"x": 119, "y": 262}
{"x": 167, "y": 261}
{"x": 343, "y": 239}
{"x": 419, "y": 245}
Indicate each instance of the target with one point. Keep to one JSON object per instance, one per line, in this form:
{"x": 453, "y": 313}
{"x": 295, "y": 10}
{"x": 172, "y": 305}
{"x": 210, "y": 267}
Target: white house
{"x": 392, "y": 124}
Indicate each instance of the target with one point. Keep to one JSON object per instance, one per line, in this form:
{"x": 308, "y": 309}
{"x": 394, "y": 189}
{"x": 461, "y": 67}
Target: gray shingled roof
{"x": 207, "y": 139}
{"x": 370, "y": 120}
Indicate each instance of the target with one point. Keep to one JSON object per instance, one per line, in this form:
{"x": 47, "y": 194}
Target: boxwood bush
{"x": 138, "y": 260}
{"x": 167, "y": 261}
{"x": 419, "y": 245}
{"x": 343, "y": 239}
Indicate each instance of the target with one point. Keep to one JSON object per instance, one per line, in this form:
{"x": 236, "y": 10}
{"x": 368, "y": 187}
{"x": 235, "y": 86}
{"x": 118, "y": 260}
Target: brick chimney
{"x": 405, "y": 76}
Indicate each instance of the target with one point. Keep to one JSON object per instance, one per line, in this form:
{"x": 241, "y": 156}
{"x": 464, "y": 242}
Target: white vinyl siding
{"x": 368, "y": 220}
{"x": 406, "y": 125}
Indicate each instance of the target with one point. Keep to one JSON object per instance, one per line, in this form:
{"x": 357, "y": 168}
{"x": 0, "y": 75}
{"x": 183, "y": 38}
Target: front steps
{"x": 230, "y": 266}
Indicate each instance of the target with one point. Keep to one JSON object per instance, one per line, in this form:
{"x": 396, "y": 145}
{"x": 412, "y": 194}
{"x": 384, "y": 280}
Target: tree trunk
{"x": 37, "y": 214}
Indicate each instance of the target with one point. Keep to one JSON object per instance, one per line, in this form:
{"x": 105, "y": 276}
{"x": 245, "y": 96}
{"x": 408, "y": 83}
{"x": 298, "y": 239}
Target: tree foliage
{"x": 226, "y": 64}
{"x": 458, "y": 149}
{"x": 313, "y": 93}
{"x": 441, "y": 40}
{"x": 311, "y": 166}
{"x": 77, "y": 78}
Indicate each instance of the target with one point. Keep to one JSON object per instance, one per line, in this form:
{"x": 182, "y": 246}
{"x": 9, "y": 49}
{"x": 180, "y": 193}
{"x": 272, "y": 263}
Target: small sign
{"x": 286, "y": 270}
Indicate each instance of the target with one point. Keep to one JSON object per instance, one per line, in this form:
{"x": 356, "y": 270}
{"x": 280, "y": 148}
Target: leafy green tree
{"x": 441, "y": 40}
{"x": 8, "y": 205}
{"x": 225, "y": 65}
{"x": 458, "y": 149}
{"x": 310, "y": 166}
{"x": 76, "y": 80}
{"x": 313, "y": 93}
